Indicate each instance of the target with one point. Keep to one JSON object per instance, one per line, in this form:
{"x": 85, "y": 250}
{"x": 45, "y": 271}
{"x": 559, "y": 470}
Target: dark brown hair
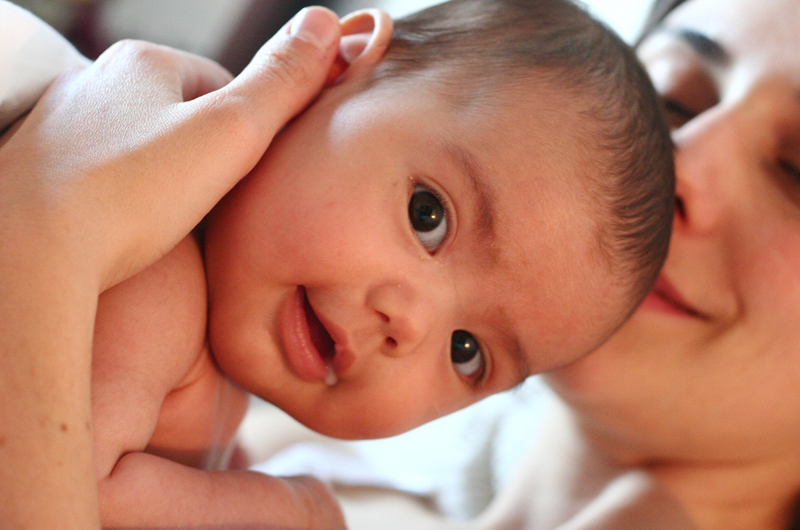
{"x": 491, "y": 43}
{"x": 661, "y": 8}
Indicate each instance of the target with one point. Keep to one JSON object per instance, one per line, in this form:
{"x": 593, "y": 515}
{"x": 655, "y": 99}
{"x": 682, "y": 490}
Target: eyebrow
{"x": 485, "y": 209}
{"x": 705, "y": 47}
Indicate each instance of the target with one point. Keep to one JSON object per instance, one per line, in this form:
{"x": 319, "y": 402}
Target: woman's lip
{"x": 299, "y": 351}
{"x": 666, "y": 299}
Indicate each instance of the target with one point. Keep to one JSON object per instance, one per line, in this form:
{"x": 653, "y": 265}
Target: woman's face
{"x": 709, "y": 366}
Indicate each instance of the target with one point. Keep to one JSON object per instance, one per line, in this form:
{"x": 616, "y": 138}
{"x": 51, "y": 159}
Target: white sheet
{"x": 458, "y": 463}
{"x": 511, "y": 462}
{"x": 31, "y": 55}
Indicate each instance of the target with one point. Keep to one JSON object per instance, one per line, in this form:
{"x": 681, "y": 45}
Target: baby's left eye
{"x": 428, "y": 217}
{"x": 465, "y": 354}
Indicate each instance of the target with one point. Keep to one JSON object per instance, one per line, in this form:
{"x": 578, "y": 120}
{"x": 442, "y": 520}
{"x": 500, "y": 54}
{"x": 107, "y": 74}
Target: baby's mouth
{"x": 321, "y": 340}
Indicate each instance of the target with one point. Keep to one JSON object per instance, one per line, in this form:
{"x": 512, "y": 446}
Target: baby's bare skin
{"x": 165, "y": 416}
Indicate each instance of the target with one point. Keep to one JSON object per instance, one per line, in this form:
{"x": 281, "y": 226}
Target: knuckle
{"x": 234, "y": 115}
{"x": 67, "y": 75}
{"x": 140, "y": 53}
{"x": 286, "y": 65}
{"x": 128, "y": 47}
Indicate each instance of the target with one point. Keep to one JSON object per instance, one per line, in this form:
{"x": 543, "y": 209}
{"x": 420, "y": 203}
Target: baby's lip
{"x": 328, "y": 338}
{"x": 303, "y": 340}
{"x": 320, "y": 338}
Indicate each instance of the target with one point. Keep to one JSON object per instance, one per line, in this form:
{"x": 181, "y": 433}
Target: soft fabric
{"x": 514, "y": 461}
{"x": 459, "y": 462}
{"x": 32, "y": 54}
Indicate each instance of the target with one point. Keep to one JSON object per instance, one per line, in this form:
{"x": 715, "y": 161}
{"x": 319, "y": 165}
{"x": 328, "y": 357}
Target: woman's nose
{"x": 716, "y": 157}
{"x": 405, "y": 315}
{"x": 722, "y": 158}
{"x": 700, "y": 160}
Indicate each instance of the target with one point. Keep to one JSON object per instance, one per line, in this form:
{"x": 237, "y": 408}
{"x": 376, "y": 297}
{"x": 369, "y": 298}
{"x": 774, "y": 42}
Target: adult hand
{"x": 136, "y": 148}
{"x": 115, "y": 164}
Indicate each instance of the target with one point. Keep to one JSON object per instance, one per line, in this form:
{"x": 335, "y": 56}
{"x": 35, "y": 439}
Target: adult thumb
{"x": 219, "y": 137}
{"x": 284, "y": 76}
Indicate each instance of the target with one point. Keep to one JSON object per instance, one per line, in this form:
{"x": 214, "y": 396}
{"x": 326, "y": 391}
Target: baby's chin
{"x": 344, "y": 426}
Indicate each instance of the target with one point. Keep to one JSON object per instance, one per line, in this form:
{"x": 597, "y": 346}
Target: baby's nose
{"x": 405, "y": 316}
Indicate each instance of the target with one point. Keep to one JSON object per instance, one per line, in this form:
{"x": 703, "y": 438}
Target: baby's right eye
{"x": 466, "y": 355}
{"x": 428, "y": 217}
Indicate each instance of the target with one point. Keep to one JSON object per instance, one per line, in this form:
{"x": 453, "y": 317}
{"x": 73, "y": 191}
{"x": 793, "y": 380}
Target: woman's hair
{"x": 478, "y": 46}
{"x": 661, "y": 8}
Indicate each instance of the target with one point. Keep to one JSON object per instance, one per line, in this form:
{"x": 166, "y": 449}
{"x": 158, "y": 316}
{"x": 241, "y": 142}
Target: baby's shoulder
{"x": 150, "y": 336}
{"x": 155, "y": 322}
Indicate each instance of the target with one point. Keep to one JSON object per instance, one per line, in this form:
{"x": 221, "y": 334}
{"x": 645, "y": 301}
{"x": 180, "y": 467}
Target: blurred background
{"x": 230, "y": 31}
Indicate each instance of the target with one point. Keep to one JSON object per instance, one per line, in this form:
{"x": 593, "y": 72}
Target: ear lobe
{"x": 365, "y": 38}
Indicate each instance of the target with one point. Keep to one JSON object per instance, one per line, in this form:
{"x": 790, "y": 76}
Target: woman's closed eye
{"x": 677, "y": 114}
{"x": 466, "y": 355}
{"x": 791, "y": 170}
{"x": 429, "y": 217}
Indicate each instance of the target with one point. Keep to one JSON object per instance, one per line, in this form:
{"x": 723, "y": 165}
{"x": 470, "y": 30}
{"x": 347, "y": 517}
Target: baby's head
{"x": 488, "y": 199}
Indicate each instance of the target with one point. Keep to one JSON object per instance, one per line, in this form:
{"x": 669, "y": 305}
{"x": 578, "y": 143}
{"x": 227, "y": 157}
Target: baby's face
{"x": 420, "y": 254}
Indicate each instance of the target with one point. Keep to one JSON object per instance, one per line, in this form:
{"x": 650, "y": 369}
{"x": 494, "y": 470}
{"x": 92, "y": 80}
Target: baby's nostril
{"x": 391, "y": 342}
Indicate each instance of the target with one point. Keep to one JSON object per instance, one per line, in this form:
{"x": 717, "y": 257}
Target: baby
{"x": 482, "y": 194}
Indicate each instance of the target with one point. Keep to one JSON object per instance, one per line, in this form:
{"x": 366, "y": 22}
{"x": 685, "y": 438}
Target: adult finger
{"x": 290, "y": 69}
{"x": 183, "y": 76}
{"x": 285, "y": 75}
{"x": 199, "y": 75}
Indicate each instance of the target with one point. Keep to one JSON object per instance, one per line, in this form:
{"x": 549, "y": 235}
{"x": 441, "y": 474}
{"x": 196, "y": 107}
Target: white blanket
{"x": 458, "y": 463}
{"x": 31, "y": 55}
{"x": 511, "y": 462}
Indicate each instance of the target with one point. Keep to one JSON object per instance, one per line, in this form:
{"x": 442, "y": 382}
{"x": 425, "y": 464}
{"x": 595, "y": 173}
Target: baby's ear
{"x": 365, "y": 37}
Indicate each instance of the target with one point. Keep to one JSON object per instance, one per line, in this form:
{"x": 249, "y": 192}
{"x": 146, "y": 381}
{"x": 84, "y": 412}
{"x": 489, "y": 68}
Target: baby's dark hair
{"x": 508, "y": 43}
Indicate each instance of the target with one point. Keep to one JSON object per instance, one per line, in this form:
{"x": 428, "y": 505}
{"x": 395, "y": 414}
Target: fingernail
{"x": 315, "y": 25}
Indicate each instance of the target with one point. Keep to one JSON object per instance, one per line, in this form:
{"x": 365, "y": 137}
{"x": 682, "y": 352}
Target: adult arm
{"x": 115, "y": 164}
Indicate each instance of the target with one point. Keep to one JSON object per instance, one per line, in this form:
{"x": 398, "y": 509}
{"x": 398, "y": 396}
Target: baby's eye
{"x": 428, "y": 217}
{"x": 466, "y": 354}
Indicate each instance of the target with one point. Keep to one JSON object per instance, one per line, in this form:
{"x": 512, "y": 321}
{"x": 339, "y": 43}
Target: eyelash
{"x": 676, "y": 110}
{"x": 480, "y": 378}
{"x": 790, "y": 169}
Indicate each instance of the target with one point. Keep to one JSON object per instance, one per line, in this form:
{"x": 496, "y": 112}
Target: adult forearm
{"x": 47, "y": 477}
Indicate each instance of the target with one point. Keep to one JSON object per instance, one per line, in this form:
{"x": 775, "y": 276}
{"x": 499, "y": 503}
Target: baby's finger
{"x": 322, "y": 509}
